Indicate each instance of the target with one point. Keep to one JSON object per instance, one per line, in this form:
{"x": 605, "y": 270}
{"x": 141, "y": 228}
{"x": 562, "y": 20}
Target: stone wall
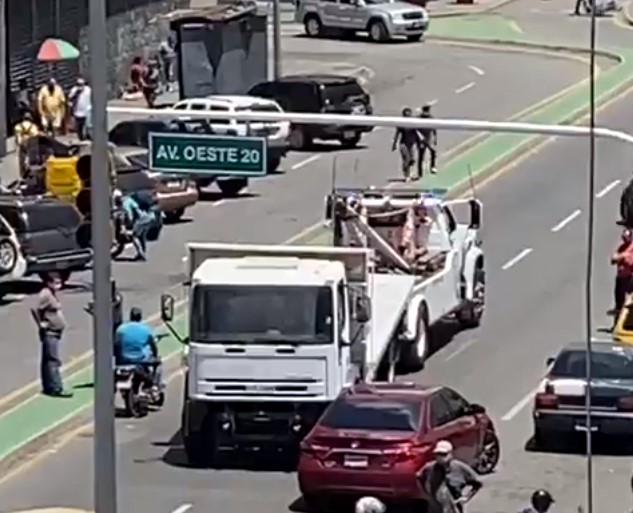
{"x": 130, "y": 33}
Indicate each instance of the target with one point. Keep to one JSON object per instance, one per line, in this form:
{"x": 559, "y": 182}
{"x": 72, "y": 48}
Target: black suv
{"x": 47, "y": 231}
{"x": 319, "y": 94}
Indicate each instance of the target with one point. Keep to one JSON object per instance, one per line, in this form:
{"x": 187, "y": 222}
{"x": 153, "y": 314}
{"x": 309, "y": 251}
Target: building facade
{"x": 132, "y": 30}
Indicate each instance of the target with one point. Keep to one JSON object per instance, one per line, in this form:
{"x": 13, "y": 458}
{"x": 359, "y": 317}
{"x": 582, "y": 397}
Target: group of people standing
{"x": 416, "y": 141}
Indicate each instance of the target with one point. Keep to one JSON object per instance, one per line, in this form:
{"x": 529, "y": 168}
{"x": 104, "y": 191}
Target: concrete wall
{"x": 133, "y": 32}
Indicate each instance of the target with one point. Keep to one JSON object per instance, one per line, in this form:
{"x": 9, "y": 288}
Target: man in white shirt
{"x": 80, "y": 98}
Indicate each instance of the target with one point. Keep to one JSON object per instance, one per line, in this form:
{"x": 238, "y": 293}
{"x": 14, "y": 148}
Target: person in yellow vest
{"x": 51, "y": 104}
{"x": 23, "y": 131}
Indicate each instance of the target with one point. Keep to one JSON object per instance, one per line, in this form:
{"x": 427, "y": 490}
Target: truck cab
{"x": 273, "y": 334}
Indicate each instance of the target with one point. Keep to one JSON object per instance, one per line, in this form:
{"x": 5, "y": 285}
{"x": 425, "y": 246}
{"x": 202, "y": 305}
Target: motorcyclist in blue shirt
{"x": 135, "y": 344}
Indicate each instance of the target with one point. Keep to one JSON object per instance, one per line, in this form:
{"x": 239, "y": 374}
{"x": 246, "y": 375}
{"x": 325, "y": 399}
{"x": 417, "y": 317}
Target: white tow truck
{"x": 276, "y": 332}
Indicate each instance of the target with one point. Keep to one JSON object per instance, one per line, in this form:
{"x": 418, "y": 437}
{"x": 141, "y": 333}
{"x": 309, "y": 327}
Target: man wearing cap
{"x": 448, "y": 483}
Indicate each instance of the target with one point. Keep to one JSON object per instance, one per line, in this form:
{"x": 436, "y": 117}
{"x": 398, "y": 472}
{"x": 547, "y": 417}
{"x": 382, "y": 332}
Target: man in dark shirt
{"x": 445, "y": 481}
{"x": 50, "y": 321}
{"x": 407, "y": 140}
{"x": 428, "y": 141}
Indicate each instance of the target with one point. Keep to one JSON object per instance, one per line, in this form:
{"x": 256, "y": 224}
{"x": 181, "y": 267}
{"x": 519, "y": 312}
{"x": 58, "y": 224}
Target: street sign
{"x": 212, "y": 154}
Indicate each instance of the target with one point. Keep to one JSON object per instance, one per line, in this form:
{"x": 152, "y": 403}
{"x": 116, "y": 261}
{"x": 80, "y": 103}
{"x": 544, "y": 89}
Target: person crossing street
{"x": 407, "y": 140}
{"x": 428, "y": 142}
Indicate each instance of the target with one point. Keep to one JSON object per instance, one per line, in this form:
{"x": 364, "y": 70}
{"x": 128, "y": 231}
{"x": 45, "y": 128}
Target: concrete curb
{"x": 471, "y": 12}
{"x": 528, "y": 45}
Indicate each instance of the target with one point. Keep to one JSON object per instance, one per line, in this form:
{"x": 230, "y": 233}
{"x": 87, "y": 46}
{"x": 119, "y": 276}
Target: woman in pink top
{"x": 623, "y": 260}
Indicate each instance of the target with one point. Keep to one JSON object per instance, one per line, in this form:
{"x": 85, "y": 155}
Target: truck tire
{"x": 351, "y": 142}
{"x": 470, "y": 315}
{"x": 416, "y": 352}
{"x": 8, "y": 256}
{"x": 377, "y": 31}
{"x": 273, "y": 165}
{"x": 232, "y": 188}
{"x": 197, "y": 443}
{"x": 313, "y": 26}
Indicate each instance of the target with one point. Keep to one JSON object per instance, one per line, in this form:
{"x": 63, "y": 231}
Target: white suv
{"x": 12, "y": 262}
{"x": 275, "y": 132}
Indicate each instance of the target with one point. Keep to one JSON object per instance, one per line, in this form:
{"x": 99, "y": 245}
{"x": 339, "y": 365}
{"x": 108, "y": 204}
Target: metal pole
{"x": 276, "y": 40}
{"x": 4, "y": 81}
{"x": 105, "y": 495}
{"x": 591, "y": 192}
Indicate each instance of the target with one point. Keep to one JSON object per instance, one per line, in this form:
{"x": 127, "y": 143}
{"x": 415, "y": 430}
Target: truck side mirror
{"x": 475, "y": 214}
{"x": 167, "y": 307}
{"x": 363, "y": 309}
{"x": 549, "y": 361}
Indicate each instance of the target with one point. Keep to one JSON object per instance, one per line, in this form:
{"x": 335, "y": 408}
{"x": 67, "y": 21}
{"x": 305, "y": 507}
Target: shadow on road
{"x": 252, "y": 461}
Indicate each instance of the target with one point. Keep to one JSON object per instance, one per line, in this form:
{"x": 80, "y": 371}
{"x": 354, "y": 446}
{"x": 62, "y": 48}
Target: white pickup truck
{"x": 417, "y": 234}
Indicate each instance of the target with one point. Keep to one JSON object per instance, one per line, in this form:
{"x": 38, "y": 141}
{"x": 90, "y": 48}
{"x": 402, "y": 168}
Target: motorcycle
{"x": 135, "y": 385}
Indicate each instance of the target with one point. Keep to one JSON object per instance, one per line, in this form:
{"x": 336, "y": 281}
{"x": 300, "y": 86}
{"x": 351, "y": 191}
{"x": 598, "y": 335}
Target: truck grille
{"x": 412, "y": 15}
{"x": 265, "y": 388}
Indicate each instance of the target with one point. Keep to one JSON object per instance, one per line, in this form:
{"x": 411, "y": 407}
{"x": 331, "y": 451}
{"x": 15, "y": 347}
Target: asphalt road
{"x": 464, "y": 82}
{"x": 553, "y": 20}
{"x": 534, "y": 306}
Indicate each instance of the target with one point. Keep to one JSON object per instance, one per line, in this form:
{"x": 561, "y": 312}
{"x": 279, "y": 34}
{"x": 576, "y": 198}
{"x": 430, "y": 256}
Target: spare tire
{"x": 8, "y": 256}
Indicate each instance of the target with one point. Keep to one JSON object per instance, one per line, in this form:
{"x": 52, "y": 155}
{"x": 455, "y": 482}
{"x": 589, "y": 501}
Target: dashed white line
{"x": 465, "y": 88}
{"x": 516, "y": 409}
{"x": 515, "y": 260}
{"x": 460, "y": 349}
{"x": 432, "y": 102}
{"x": 305, "y": 162}
{"x": 183, "y": 508}
{"x": 477, "y": 70}
{"x": 219, "y": 202}
{"x": 566, "y": 221}
{"x": 608, "y": 188}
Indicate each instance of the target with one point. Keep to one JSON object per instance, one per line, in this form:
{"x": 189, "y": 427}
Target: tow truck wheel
{"x": 472, "y": 312}
{"x": 417, "y": 351}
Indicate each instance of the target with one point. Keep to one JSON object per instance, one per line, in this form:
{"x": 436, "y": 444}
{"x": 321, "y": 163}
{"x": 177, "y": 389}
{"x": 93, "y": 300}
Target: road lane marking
{"x": 83, "y": 360}
{"x": 516, "y": 409}
{"x": 432, "y": 102}
{"x": 566, "y": 221}
{"x": 477, "y": 70}
{"x": 460, "y": 349}
{"x": 305, "y": 162}
{"x": 218, "y": 203}
{"x": 608, "y": 188}
{"x": 465, "y": 88}
{"x": 515, "y": 26}
{"x": 183, "y": 508}
{"x": 513, "y": 261}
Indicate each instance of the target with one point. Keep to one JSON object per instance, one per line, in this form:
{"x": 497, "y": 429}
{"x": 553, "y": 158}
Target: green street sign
{"x": 212, "y": 154}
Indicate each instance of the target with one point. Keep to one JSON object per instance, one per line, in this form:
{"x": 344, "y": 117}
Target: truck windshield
{"x": 261, "y": 314}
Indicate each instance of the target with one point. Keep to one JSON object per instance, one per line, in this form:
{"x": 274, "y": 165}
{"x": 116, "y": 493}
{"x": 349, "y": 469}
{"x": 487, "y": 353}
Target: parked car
{"x": 559, "y": 405}
{"x": 46, "y": 229}
{"x": 12, "y": 261}
{"x": 374, "y": 439}
{"x": 319, "y": 94}
{"x": 383, "y": 20}
{"x": 135, "y": 132}
{"x": 174, "y": 192}
{"x": 276, "y": 133}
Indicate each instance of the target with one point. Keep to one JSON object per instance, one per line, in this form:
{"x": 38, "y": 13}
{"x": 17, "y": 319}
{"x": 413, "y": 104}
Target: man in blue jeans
{"x": 134, "y": 343}
{"x": 50, "y": 322}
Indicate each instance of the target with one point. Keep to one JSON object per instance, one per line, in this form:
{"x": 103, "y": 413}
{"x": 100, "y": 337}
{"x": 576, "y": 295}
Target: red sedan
{"x": 374, "y": 439}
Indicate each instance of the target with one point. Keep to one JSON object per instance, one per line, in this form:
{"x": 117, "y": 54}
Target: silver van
{"x": 382, "y": 19}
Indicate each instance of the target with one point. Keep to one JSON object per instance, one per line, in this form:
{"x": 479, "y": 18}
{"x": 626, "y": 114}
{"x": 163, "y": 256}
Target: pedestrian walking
{"x": 167, "y": 55}
{"x": 80, "y": 100}
{"x": 428, "y": 142}
{"x": 623, "y": 260}
{"x": 51, "y": 105}
{"x": 584, "y": 4}
{"x": 447, "y": 482}
{"x": 50, "y": 322}
{"x": 23, "y": 131}
{"x": 407, "y": 140}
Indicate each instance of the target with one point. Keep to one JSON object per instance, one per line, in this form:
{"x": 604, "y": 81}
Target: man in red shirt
{"x": 623, "y": 259}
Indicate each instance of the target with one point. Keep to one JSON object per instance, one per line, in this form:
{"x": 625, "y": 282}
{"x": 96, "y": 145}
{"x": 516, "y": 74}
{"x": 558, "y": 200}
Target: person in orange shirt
{"x": 51, "y": 103}
{"x": 623, "y": 260}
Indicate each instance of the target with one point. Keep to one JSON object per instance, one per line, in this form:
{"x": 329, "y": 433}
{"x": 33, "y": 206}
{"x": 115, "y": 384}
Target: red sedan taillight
{"x": 625, "y": 403}
{"x": 314, "y": 450}
{"x": 546, "y": 400}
